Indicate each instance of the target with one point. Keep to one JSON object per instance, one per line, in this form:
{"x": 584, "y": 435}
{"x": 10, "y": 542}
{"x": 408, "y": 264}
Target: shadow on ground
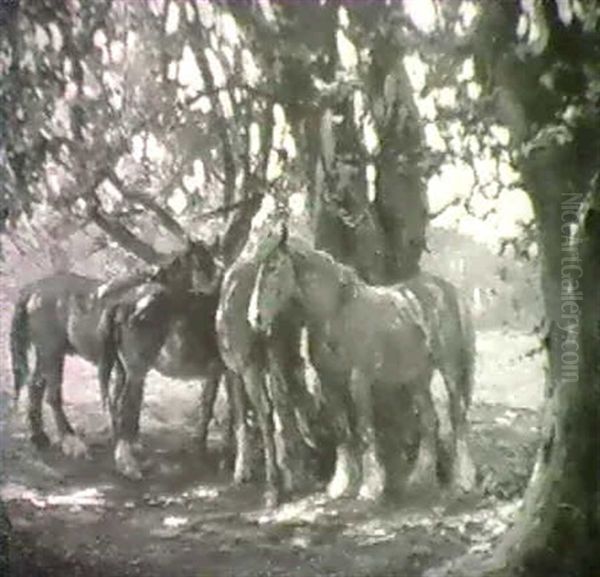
{"x": 78, "y": 518}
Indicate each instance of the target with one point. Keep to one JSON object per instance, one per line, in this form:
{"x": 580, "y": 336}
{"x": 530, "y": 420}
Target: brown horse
{"x": 61, "y": 315}
{"x": 363, "y": 340}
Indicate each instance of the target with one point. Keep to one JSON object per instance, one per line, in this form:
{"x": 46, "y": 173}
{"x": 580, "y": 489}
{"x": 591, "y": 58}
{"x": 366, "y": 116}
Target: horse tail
{"x": 107, "y": 329}
{"x": 459, "y": 315}
{"x": 19, "y": 344}
{"x": 451, "y": 330}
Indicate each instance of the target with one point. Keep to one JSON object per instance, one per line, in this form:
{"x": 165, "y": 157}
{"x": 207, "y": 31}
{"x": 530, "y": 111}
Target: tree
{"x": 318, "y": 93}
{"x": 343, "y": 78}
{"x": 539, "y": 66}
{"x": 99, "y": 125}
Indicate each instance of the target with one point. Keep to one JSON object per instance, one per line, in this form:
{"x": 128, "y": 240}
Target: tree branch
{"x": 227, "y": 208}
{"x": 166, "y": 219}
{"x": 197, "y": 39}
{"x": 122, "y": 235}
{"x": 454, "y": 202}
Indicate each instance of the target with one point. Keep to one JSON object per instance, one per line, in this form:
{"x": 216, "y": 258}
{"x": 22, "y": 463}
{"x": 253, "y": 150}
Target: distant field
{"x": 506, "y": 371}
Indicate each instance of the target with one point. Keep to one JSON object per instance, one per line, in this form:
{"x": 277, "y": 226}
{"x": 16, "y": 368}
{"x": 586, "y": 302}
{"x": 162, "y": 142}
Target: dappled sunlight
{"x": 509, "y": 370}
{"x": 172, "y": 511}
{"x": 74, "y": 500}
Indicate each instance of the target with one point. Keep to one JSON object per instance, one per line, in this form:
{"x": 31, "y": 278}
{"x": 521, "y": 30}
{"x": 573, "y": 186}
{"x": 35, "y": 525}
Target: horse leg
{"x": 71, "y": 445}
{"x": 37, "y": 387}
{"x": 254, "y": 381}
{"x": 460, "y": 469}
{"x": 346, "y": 474}
{"x": 292, "y": 452}
{"x": 395, "y": 418}
{"x": 228, "y": 440}
{"x": 463, "y": 471}
{"x": 242, "y": 470}
{"x": 127, "y": 407}
{"x": 51, "y": 367}
{"x": 424, "y": 473}
{"x": 373, "y": 473}
{"x": 208, "y": 396}
{"x": 344, "y": 480}
{"x": 115, "y": 400}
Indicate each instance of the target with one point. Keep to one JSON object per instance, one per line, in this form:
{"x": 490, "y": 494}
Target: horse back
{"x": 381, "y": 332}
{"x": 52, "y": 305}
{"x": 447, "y": 314}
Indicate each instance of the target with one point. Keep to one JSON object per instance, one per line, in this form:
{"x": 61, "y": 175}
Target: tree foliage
{"x": 128, "y": 118}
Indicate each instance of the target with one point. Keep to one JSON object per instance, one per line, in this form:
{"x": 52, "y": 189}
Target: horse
{"x": 63, "y": 315}
{"x": 270, "y": 369}
{"x": 365, "y": 340}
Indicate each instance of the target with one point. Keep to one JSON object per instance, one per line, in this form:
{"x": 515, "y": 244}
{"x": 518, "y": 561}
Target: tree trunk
{"x": 558, "y": 530}
{"x": 378, "y": 231}
{"x": 401, "y": 202}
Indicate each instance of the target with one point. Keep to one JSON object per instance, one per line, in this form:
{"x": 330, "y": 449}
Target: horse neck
{"x": 345, "y": 286}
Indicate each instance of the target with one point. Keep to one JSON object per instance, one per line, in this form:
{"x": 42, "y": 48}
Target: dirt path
{"x": 185, "y": 519}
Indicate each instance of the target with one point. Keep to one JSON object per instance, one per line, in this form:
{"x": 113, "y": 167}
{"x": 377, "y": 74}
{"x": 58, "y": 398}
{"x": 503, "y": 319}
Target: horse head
{"x": 206, "y": 268}
{"x": 292, "y": 270}
{"x": 194, "y": 270}
{"x": 275, "y": 283}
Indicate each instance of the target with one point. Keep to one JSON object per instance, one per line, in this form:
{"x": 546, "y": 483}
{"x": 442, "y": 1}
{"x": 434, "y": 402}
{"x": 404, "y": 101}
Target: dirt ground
{"x": 185, "y": 519}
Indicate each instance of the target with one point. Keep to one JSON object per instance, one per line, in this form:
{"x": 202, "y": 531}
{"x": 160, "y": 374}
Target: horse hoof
{"x": 72, "y": 446}
{"x": 464, "y": 480}
{"x": 422, "y": 481}
{"x": 340, "y": 486}
{"x": 241, "y": 476}
{"x": 368, "y": 492}
{"x": 126, "y": 463}
{"x": 372, "y": 487}
{"x": 272, "y": 499}
{"x": 40, "y": 441}
{"x": 345, "y": 480}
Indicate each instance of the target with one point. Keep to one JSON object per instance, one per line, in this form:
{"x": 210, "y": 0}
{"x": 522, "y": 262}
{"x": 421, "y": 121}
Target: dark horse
{"x": 68, "y": 314}
{"x": 364, "y": 339}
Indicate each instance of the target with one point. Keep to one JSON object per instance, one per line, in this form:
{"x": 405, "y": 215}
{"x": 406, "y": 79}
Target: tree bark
{"x": 401, "y": 201}
{"x": 558, "y": 529}
{"x": 122, "y": 235}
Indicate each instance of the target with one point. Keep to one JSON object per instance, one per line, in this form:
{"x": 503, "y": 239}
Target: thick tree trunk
{"x": 401, "y": 202}
{"x": 346, "y": 223}
{"x": 381, "y": 232}
{"x": 558, "y": 530}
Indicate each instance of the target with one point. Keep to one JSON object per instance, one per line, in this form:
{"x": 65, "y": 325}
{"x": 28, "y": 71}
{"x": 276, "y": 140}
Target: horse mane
{"x": 349, "y": 279}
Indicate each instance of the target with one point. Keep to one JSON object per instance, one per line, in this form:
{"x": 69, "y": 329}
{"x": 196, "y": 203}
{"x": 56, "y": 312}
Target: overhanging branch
{"x": 167, "y": 220}
{"x": 123, "y": 235}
